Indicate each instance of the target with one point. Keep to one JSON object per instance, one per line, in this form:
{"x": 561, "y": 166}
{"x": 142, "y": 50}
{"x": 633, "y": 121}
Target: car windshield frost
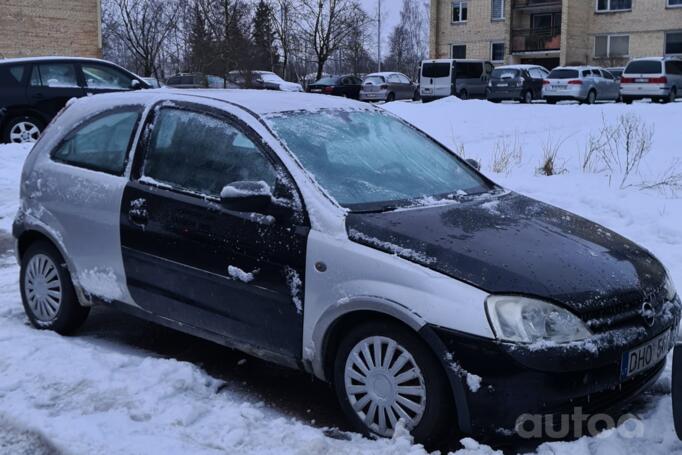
{"x": 369, "y": 160}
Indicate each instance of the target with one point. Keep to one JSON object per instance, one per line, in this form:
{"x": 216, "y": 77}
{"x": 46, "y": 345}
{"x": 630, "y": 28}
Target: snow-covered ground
{"x": 79, "y": 396}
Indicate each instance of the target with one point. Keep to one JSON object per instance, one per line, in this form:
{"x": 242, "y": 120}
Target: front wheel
{"x": 47, "y": 293}
{"x": 463, "y": 95}
{"x": 390, "y": 98}
{"x": 22, "y": 130}
{"x": 591, "y": 97}
{"x": 384, "y": 373}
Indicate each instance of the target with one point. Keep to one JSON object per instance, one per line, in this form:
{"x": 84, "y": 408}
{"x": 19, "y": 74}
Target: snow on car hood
{"x": 513, "y": 244}
{"x": 290, "y": 87}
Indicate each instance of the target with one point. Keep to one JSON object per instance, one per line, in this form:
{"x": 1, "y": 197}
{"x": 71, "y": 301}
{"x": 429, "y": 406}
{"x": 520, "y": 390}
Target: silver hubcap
{"x": 384, "y": 384}
{"x": 43, "y": 287}
{"x": 24, "y": 132}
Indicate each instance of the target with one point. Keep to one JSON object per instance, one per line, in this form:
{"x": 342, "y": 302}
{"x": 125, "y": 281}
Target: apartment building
{"x": 555, "y": 32}
{"x": 30, "y": 28}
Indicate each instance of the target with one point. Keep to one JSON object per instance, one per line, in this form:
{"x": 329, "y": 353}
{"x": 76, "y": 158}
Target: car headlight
{"x": 526, "y": 320}
{"x": 669, "y": 288}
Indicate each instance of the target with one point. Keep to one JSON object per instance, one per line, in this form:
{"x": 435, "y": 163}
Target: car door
{"x": 236, "y": 275}
{"x": 101, "y": 78}
{"x": 395, "y": 86}
{"x": 407, "y": 91}
{"x": 611, "y": 84}
{"x": 357, "y": 86}
{"x": 52, "y": 84}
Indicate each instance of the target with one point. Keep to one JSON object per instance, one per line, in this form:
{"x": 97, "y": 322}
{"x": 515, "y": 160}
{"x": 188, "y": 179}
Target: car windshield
{"x": 377, "y": 80}
{"x": 505, "y": 73}
{"x": 368, "y": 160}
{"x": 327, "y": 81}
{"x": 563, "y": 74}
{"x": 644, "y": 67}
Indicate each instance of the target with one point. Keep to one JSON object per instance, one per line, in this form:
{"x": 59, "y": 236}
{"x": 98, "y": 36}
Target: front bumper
{"x": 517, "y": 381}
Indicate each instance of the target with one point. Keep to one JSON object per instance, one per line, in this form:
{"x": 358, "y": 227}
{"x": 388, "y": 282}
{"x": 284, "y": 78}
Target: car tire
{"x": 390, "y": 98}
{"x": 47, "y": 291}
{"x": 550, "y": 101}
{"x": 463, "y": 95}
{"x": 627, "y": 100}
{"x": 527, "y": 97}
{"x": 22, "y": 129}
{"x": 416, "y": 96}
{"x": 433, "y": 410}
{"x": 591, "y": 97}
{"x": 671, "y": 98}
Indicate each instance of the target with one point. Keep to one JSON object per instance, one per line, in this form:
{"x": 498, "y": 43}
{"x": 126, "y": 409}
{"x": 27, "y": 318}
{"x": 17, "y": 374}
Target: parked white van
{"x": 462, "y": 78}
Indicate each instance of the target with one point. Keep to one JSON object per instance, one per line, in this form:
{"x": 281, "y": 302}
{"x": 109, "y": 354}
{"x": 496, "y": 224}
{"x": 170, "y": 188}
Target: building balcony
{"x": 536, "y": 40}
{"x": 536, "y": 4}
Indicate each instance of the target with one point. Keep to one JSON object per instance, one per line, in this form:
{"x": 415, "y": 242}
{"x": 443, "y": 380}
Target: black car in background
{"x": 34, "y": 90}
{"x": 516, "y": 83}
{"x": 347, "y": 86}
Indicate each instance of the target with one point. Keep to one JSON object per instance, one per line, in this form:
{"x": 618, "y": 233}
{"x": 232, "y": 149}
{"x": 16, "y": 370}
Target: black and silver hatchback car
{"x": 328, "y": 235}
{"x": 33, "y": 90}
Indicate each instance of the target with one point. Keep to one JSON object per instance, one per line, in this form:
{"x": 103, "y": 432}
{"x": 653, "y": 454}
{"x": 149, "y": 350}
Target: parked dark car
{"x": 346, "y": 86}
{"x": 516, "y": 83}
{"x": 188, "y": 80}
{"x": 34, "y": 90}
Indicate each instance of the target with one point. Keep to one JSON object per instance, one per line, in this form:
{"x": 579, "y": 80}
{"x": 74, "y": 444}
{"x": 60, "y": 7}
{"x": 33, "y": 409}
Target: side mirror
{"x": 246, "y": 196}
{"x": 473, "y": 163}
{"x": 135, "y": 84}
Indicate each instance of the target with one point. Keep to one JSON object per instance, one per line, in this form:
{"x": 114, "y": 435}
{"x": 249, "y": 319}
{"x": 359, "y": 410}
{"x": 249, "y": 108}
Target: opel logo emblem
{"x": 648, "y": 314}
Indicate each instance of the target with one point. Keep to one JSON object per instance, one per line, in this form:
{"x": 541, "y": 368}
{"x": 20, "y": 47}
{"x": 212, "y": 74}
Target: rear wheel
{"x": 671, "y": 98}
{"x": 527, "y": 97}
{"x": 627, "y": 100}
{"x": 390, "y": 98}
{"x": 23, "y": 129}
{"x": 416, "y": 96}
{"x": 463, "y": 95}
{"x": 47, "y": 293}
{"x": 591, "y": 97}
{"x": 550, "y": 101}
{"x": 384, "y": 373}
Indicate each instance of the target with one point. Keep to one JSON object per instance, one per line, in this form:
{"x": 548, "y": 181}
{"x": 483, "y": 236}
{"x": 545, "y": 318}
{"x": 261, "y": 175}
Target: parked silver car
{"x": 658, "y": 78}
{"x": 585, "y": 84}
{"x": 388, "y": 87}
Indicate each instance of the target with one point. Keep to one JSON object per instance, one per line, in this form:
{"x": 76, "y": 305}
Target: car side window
{"x": 54, "y": 75}
{"x": 535, "y": 73}
{"x": 394, "y": 79}
{"x": 608, "y": 75}
{"x": 202, "y": 154}
{"x": 403, "y": 79}
{"x": 102, "y": 76}
{"x": 101, "y": 144}
{"x": 587, "y": 73}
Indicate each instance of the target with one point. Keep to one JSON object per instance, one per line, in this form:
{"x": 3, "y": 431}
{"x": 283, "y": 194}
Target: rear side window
{"x": 435, "y": 70}
{"x": 644, "y": 67}
{"x": 55, "y": 75}
{"x": 394, "y": 79}
{"x": 202, "y": 154}
{"x": 12, "y": 76}
{"x": 563, "y": 74}
{"x": 102, "y": 76}
{"x": 469, "y": 70}
{"x": 505, "y": 73}
{"x": 377, "y": 80}
{"x": 101, "y": 144}
{"x": 673, "y": 67}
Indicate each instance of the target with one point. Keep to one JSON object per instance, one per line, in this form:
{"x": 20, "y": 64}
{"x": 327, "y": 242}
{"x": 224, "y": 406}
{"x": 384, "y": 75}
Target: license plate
{"x": 642, "y": 80}
{"x": 561, "y": 87}
{"x": 503, "y": 85}
{"x": 316, "y": 90}
{"x": 646, "y": 355}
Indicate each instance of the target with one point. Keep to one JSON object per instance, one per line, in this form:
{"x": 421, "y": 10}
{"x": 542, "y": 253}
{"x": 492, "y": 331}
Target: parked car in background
{"x": 188, "y": 80}
{"x": 616, "y": 71}
{"x": 153, "y": 82}
{"x": 388, "y": 87}
{"x": 341, "y": 240}
{"x": 462, "y": 78}
{"x": 657, "y": 78}
{"x": 347, "y": 86}
{"x": 585, "y": 84}
{"x": 264, "y": 80}
{"x": 516, "y": 82}
{"x": 34, "y": 90}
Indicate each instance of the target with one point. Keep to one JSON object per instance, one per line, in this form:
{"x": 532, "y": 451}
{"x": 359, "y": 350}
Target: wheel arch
{"x": 336, "y": 320}
{"x": 20, "y": 111}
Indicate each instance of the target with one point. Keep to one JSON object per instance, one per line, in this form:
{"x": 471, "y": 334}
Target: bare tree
{"x": 326, "y": 24}
{"x": 143, "y": 27}
{"x": 409, "y": 39}
{"x": 284, "y": 19}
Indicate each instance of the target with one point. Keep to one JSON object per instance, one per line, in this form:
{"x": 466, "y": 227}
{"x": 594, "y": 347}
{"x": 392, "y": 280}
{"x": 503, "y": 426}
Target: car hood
{"x": 508, "y": 243}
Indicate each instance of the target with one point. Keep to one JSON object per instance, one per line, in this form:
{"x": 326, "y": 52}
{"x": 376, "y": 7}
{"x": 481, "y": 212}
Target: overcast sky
{"x": 390, "y": 13}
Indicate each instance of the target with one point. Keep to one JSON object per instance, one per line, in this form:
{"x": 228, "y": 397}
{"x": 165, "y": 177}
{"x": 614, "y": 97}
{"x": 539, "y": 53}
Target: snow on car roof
{"x": 263, "y": 102}
{"x": 52, "y": 57}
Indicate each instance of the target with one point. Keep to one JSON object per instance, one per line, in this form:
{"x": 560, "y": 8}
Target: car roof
{"x": 383, "y": 73}
{"x": 52, "y": 58}
{"x": 518, "y": 67}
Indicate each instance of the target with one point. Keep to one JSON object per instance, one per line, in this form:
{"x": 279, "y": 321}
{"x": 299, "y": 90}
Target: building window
{"x": 459, "y": 51}
{"x": 673, "y": 43}
{"x": 614, "y": 5}
{"x": 460, "y": 11}
{"x": 497, "y": 51}
{"x": 674, "y": 3}
{"x": 497, "y": 10}
{"x": 611, "y": 46}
